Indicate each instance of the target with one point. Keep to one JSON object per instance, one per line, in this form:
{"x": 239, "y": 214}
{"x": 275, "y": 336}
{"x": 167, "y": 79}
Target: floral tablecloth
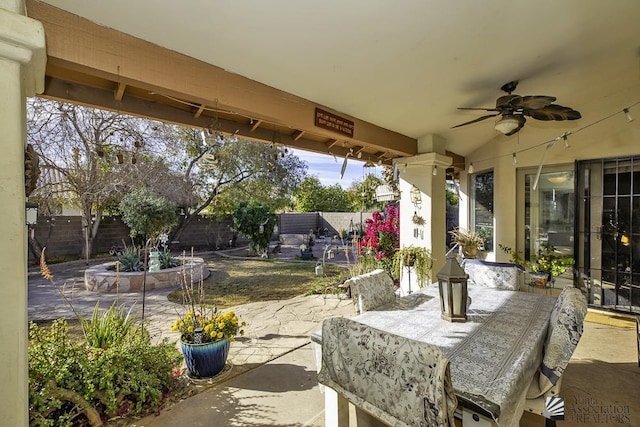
{"x": 493, "y": 356}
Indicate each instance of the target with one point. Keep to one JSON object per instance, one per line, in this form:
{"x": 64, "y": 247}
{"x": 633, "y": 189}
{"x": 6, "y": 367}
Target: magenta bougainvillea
{"x": 381, "y": 236}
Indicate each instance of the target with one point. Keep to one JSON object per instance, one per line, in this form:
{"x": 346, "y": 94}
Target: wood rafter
{"x": 201, "y": 109}
{"x": 297, "y": 135}
{"x": 120, "y": 91}
{"x": 256, "y": 125}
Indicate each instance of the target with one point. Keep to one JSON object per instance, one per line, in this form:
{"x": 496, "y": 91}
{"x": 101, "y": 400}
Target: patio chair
{"x": 499, "y": 275}
{"x": 400, "y": 381}
{"x": 563, "y": 335}
{"x": 371, "y": 290}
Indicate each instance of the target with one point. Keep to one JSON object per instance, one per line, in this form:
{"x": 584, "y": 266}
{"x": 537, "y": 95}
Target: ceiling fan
{"x": 512, "y": 110}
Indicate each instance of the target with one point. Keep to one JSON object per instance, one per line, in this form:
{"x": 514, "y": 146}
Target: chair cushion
{"x": 371, "y": 290}
{"x": 499, "y": 275}
{"x": 400, "y": 381}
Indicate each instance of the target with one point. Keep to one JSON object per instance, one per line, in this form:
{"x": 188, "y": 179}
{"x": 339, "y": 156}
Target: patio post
{"x": 22, "y": 66}
{"x": 426, "y": 172}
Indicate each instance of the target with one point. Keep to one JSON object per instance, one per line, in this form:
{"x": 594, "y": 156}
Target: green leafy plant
{"x": 418, "y": 258}
{"x": 147, "y": 214}
{"x": 73, "y": 383}
{"x": 107, "y": 328}
{"x": 130, "y": 259}
{"x": 467, "y": 237}
{"x": 255, "y": 220}
{"x": 114, "y": 371}
{"x": 546, "y": 260}
{"x": 167, "y": 259}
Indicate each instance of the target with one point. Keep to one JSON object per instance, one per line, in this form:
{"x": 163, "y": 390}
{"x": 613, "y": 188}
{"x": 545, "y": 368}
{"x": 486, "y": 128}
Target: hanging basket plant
{"x": 417, "y": 258}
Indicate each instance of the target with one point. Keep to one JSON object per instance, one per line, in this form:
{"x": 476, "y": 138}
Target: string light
{"x": 563, "y": 137}
{"x": 514, "y": 159}
{"x": 435, "y": 170}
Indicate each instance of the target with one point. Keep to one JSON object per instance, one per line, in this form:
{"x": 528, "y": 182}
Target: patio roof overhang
{"x": 108, "y": 69}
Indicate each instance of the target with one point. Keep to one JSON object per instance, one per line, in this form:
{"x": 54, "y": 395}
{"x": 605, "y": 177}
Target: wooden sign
{"x": 330, "y": 121}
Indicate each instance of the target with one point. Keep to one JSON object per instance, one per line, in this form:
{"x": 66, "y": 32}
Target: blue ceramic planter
{"x": 205, "y": 360}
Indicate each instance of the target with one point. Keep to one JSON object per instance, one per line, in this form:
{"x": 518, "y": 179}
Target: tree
{"x": 92, "y": 155}
{"x": 225, "y": 171}
{"x": 97, "y": 156}
{"x": 312, "y": 196}
{"x": 255, "y": 221}
{"x": 147, "y": 214}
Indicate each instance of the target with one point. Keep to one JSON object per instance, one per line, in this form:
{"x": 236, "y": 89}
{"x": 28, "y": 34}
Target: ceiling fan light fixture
{"x": 506, "y": 124}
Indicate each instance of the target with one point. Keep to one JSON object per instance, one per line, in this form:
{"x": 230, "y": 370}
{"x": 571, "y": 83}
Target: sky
{"x": 327, "y": 169}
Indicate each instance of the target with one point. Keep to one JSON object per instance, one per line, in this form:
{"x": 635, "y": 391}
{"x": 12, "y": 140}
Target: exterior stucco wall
{"x": 589, "y": 143}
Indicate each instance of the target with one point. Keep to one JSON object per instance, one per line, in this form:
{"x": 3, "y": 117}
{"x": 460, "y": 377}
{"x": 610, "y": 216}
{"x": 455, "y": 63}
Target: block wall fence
{"x": 64, "y": 235}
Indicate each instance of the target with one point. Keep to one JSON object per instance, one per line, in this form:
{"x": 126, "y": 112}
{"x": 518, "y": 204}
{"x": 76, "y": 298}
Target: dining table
{"x": 493, "y": 355}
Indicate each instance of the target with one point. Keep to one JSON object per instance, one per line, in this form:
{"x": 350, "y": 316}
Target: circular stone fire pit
{"x": 102, "y": 277}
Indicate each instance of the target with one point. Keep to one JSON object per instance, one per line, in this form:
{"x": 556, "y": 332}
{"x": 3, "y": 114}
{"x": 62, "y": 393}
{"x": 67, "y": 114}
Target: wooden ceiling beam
{"x": 85, "y": 95}
{"x": 77, "y": 44}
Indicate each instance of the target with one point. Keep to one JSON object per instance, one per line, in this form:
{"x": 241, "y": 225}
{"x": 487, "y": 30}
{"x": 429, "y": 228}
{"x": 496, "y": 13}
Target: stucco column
{"x": 22, "y": 65}
{"x": 425, "y": 171}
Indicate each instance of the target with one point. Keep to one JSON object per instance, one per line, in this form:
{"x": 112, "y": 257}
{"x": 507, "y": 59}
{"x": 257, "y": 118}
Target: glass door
{"x": 548, "y": 215}
{"x": 609, "y": 232}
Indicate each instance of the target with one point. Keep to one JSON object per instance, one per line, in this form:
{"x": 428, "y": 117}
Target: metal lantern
{"x": 452, "y": 283}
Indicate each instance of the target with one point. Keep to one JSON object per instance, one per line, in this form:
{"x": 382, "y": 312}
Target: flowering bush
{"x": 214, "y": 326}
{"x": 381, "y": 237}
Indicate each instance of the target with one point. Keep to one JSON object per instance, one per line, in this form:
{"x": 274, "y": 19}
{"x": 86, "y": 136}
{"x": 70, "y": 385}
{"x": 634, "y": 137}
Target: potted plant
{"x": 544, "y": 266}
{"x": 469, "y": 241}
{"x": 417, "y": 259}
{"x": 205, "y": 337}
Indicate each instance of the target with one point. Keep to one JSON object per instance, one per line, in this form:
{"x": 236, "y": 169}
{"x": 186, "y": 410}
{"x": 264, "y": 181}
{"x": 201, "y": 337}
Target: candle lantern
{"x": 452, "y": 283}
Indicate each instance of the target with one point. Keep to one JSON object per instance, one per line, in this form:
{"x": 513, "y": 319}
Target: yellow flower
{"x": 220, "y": 335}
{"x": 190, "y": 328}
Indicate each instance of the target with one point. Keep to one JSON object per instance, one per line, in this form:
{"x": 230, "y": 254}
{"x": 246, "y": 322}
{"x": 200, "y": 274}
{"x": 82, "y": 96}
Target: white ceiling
{"x": 407, "y": 65}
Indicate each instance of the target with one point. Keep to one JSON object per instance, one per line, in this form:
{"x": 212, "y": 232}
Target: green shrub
{"x": 72, "y": 382}
{"x": 109, "y": 327}
{"x": 130, "y": 259}
{"x": 167, "y": 260}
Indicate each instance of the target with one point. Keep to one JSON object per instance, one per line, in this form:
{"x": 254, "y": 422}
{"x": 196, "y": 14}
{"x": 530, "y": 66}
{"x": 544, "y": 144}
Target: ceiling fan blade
{"x": 532, "y": 102}
{"x": 478, "y": 109}
{"x": 521, "y": 122}
{"x": 553, "y": 112}
{"x": 479, "y": 119}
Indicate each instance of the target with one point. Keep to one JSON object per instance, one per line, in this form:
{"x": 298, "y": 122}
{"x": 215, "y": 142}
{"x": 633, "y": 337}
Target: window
{"x": 482, "y": 207}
